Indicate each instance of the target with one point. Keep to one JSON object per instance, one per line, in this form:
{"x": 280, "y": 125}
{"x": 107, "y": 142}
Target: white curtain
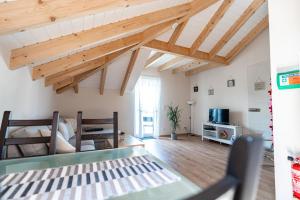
{"x": 147, "y": 98}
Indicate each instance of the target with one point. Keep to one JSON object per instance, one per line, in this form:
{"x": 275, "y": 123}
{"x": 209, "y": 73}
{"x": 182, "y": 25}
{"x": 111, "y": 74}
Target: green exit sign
{"x": 288, "y": 80}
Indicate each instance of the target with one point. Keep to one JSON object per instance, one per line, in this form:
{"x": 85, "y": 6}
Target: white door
{"x": 259, "y": 117}
{"x": 147, "y": 97}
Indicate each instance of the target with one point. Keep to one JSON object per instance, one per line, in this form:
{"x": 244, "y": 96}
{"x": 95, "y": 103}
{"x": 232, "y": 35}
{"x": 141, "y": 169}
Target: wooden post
{"x": 55, "y": 120}
{"x": 116, "y": 129}
{"x": 4, "y": 125}
{"x": 79, "y": 131}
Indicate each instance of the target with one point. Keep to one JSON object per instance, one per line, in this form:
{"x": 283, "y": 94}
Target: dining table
{"x": 121, "y": 174}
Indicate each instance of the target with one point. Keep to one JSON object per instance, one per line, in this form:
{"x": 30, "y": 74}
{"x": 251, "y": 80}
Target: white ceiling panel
{"x": 117, "y": 69}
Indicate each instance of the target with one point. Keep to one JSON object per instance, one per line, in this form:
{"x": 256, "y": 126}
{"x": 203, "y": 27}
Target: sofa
{"x": 65, "y": 140}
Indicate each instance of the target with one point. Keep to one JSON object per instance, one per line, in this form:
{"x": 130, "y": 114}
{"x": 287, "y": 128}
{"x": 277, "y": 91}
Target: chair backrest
{"x": 242, "y": 173}
{"x": 7, "y": 122}
{"x": 80, "y": 136}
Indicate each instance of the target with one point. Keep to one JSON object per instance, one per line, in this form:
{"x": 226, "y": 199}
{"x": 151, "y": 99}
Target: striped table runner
{"x": 98, "y": 180}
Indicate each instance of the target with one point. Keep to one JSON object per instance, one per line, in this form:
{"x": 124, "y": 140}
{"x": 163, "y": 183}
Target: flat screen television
{"x": 219, "y": 116}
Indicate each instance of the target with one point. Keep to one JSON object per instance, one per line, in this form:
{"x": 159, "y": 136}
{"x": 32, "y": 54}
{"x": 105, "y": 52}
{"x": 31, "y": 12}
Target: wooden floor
{"x": 204, "y": 162}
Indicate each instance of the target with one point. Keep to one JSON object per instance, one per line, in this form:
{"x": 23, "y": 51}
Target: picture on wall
{"x": 211, "y": 91}
{"x": 231, "y": 83}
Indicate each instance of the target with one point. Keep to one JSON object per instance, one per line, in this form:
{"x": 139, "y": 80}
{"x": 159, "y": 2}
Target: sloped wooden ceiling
{"x": 66, "y": 41}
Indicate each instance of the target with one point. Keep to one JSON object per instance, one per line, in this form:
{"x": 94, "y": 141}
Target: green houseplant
{"x": 173, "y": 115}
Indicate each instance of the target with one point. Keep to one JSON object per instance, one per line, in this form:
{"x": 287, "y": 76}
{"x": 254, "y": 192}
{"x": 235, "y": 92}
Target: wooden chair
{"x": 7, "y": 122}
{"x": 242, "y": 173}
{"x": 96, "y": 136}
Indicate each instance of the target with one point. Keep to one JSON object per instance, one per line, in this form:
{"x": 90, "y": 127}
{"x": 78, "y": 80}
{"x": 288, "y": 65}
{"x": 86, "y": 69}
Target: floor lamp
{"x": 190, "y": 103}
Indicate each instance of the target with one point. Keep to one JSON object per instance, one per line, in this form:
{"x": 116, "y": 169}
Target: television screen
{"x": 219, "y": 116}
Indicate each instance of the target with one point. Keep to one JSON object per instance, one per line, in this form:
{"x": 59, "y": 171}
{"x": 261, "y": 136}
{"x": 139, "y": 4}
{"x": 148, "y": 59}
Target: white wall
{"x": 19, "y": 94}
{"x": 234, "y": 98}
{"x": 284, "y": 17}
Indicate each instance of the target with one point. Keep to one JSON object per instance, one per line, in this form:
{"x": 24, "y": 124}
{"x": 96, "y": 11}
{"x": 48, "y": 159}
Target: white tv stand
{"x": 220, "y": 132}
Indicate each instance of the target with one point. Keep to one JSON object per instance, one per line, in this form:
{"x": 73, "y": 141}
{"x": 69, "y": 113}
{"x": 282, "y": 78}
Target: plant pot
{"x": 173, "y": 136}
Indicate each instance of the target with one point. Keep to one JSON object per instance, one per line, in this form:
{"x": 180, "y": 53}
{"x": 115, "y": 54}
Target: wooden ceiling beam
{"x": 211, "y": 25}
{"x": 63, "y": 83}
{"x": 102, "y": 80}
{"x": 261, "y": 26}
{"x": 198, "y": 6}
{"x": 43, "y": 50}
{"x": 77, "y": 80}
{"x": 185, "y": 67}
{"x": 129, "y": 70}
{"x": 236, "y": 26}
{"x": 70, "y": 61}
{"x": 76, "y": 88}
{"x": 153, "y": 59}
{"x": 23, "y": 14}
{"x": 169, "y": 64}
{"x": 77, "y": 70}
{"x": 203, "y": 68}
{"x": 183, "y": 51}
{"x": 65, "y": 63}
{"x": 147, "y": 36}
{"x": 38, "y": 52}
{"x": 177, "y": 32}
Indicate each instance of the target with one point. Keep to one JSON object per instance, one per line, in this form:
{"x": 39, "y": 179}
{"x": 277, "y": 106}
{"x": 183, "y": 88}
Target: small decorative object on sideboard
{"x": 173, "y": 115}
{"x": 223, "y": 135}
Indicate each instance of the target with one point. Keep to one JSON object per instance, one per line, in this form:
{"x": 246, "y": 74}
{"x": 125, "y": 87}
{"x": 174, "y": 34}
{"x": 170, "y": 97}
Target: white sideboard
{"x": 221, "y": 133}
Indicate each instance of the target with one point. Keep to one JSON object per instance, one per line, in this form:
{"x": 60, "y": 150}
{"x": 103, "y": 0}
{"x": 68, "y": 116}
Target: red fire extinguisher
{"x": 296, "y": 177}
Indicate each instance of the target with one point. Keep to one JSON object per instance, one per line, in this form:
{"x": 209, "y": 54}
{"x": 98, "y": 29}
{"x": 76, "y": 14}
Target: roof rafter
{"x": 202, "y": 68}
{"x": 184, "y": 67}
{"x": 177, "y": 32}
{"x": 211, "y": 25}
{"x": 131, "y": 64}
{"x": 23, "y": 14}
{"x": 77, "y": 80}
{"x": 77, "y": 70}
{"x": 63, "y": 83}
{"x": 183, "y": 51}
{"x": 37, "y": 52}
{"x": 76, "y": 88}
{"x": 70, "y": 61}
{"x": 102, "y": 80}
{"x": 153, "y": 59}
{"x": 261, "y": 26}
{"x": 236, "y": 26}
{"x": 169, "y": 64}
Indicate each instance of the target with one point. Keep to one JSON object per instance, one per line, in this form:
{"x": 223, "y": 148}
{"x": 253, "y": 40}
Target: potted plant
{"x": 173, "y": 115}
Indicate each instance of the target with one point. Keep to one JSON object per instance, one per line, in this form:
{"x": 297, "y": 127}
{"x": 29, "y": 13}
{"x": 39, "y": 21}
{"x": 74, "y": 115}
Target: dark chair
{"x": 96, "y": 136}
{"x": 7, "y": 122}
{"x": 242, "y": 173}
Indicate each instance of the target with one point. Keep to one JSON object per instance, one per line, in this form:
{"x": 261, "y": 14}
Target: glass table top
{"x": 177, "y": 190}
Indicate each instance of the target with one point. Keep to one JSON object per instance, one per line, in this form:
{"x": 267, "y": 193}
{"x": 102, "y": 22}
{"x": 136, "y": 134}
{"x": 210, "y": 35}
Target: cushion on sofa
{"x": 72, "y": 122}
{"x": 62, "y": 128}
{"x": 72, "y": 141}
{"x": 62, "y": 146}
{"x": 70, "y": 129}
{"x": 87, "y": 148}
{"x": 30, "y": 149}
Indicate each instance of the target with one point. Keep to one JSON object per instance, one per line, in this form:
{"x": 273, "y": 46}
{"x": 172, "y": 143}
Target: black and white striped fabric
{"x": 98, "y": 180}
